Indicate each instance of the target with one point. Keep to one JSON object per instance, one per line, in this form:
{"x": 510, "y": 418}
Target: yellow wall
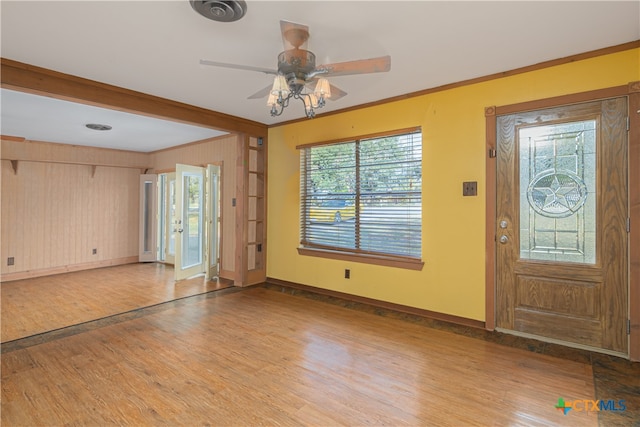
{"x": 453, "y": 226}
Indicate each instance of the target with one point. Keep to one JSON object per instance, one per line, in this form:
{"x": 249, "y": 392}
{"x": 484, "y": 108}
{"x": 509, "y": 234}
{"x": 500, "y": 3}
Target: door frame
{"x": 164, "y": 210}
{"x": 213, "y": 189}
{"x": 632, "y": 91}
{"x": 148, "y": 223}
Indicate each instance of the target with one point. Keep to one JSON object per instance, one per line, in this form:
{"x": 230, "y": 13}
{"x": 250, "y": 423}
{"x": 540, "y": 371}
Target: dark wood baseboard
{"x": 463, "y": 321}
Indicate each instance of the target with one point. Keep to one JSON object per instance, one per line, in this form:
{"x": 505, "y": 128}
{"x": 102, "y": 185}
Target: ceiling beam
{"x": 23, "y": 77}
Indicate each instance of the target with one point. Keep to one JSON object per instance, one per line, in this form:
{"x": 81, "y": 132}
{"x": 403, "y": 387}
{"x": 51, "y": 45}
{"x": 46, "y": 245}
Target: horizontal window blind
{"x": 363, "y": 196}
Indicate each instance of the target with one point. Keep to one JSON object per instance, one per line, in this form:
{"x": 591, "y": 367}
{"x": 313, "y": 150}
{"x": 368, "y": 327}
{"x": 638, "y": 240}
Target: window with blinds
{"x": 364, "y": 196}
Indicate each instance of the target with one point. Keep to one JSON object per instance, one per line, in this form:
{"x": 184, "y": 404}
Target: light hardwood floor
{"x": 34, "y": 306}
{"x": 257, "y": 356}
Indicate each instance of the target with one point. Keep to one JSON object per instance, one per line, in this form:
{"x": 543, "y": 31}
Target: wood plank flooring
{"x": 34, "y": 306}
{"x": 256, "y": 356}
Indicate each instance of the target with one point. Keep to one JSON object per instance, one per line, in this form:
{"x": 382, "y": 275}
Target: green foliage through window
{"x": 364, "y": 196}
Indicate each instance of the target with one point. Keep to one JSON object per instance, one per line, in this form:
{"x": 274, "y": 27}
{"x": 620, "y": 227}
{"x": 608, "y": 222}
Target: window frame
{"x": 390, "y": 260}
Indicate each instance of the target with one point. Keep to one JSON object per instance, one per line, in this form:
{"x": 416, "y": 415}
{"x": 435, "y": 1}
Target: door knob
{"x": 179, "y": 230}
{"x": 504, "y": 239}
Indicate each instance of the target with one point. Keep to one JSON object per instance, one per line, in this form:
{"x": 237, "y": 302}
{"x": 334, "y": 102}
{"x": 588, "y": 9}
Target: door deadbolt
{"x": 503, "y": 224}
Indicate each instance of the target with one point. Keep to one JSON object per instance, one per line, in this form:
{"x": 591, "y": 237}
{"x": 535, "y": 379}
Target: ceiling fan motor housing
{"x": 219, "y": 10}
{"x": 296, "y": 65}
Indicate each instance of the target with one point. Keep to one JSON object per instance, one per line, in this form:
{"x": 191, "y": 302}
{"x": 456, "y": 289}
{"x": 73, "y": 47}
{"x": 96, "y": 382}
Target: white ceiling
{"x": 154, "y": 47}
{"x": 39, "y": 118}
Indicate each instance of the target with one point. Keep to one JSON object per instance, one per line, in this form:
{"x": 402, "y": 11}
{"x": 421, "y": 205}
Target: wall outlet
{"x": 470, "y": 188}
{"x": 95, "y": 251}
{"x": 347, "y": 273}
{"x": 10, "y": 261}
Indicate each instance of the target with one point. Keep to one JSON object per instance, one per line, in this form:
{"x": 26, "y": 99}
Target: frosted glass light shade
{"x": 323, "y": 89}
{"x": 280, "y": 86}
{"x": 310, "y": 101}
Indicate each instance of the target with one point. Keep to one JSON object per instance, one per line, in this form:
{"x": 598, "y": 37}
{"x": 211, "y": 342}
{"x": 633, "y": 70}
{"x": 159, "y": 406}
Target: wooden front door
{"x": 562, "y": 224}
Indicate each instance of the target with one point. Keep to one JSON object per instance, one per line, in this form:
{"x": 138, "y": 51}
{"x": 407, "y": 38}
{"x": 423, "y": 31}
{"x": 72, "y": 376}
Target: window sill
{"x": 387, "y": 261}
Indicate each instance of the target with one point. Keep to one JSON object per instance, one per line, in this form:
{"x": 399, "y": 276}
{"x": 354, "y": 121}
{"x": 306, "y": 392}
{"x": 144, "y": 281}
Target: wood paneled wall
{"x": 19, "y": 149}
{"x": 59, "y": 202}
{"x": 221, "y": 151}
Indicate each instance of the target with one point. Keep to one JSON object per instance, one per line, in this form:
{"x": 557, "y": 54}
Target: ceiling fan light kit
{"x": 283, "y": 90}
{"x": 297, "y": 73}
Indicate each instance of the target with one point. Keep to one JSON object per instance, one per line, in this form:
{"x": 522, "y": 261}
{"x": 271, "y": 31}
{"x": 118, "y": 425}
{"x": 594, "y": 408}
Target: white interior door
{"x": 213, "y": 220}
{"x": 190, "y": 212}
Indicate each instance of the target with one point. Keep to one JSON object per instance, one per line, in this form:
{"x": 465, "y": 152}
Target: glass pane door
{"x": 168, "y": 223}
{"x": 190, "y": 221}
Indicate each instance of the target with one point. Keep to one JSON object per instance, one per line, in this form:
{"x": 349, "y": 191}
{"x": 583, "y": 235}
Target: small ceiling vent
{"x": 97, "y": 126}
{"x": 219, "y": 10}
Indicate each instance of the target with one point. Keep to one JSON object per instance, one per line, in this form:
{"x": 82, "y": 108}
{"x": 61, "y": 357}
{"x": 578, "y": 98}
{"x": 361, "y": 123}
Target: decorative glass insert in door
{"x": 558, "y": 192}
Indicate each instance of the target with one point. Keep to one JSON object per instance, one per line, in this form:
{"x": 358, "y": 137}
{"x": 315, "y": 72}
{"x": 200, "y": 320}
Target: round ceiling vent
{"x": 219, "y": 10}
{"x": 97, "y": 126}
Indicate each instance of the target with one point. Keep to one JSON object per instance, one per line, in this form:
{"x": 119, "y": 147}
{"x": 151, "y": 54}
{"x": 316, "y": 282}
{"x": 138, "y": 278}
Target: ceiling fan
{"x": 298, "y": 77}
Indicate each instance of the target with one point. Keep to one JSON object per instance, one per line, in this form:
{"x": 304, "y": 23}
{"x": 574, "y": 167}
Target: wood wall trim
{"x": 23, "y": 77}
{"x": 386, "y": 261}
{"x": 7, "y": 277}
{"x": 72, "y": 146}
{"x": 632, "y": 91}
{"x": 50, "y": 152}
{"x": 12, "y": 138}
{"x": 539, "y": 66}
{"x": 574, "y": 98}
{"x": 242, "y": 212}
{"x": 490, "y": 218}
{"x": 382, "y": 304}
{"x": 93, "y": 165}
{"x": 634, "y": 216}
{"x": 188, "y": 144}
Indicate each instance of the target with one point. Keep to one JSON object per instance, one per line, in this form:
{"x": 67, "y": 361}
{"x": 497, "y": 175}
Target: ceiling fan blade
{"x": 336, "y": 93}
{"x": 262, "y": 93}
{"x": 238, "y": 67}
{"x": 381, "y": 64}
{"x": 294, "y": 36}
